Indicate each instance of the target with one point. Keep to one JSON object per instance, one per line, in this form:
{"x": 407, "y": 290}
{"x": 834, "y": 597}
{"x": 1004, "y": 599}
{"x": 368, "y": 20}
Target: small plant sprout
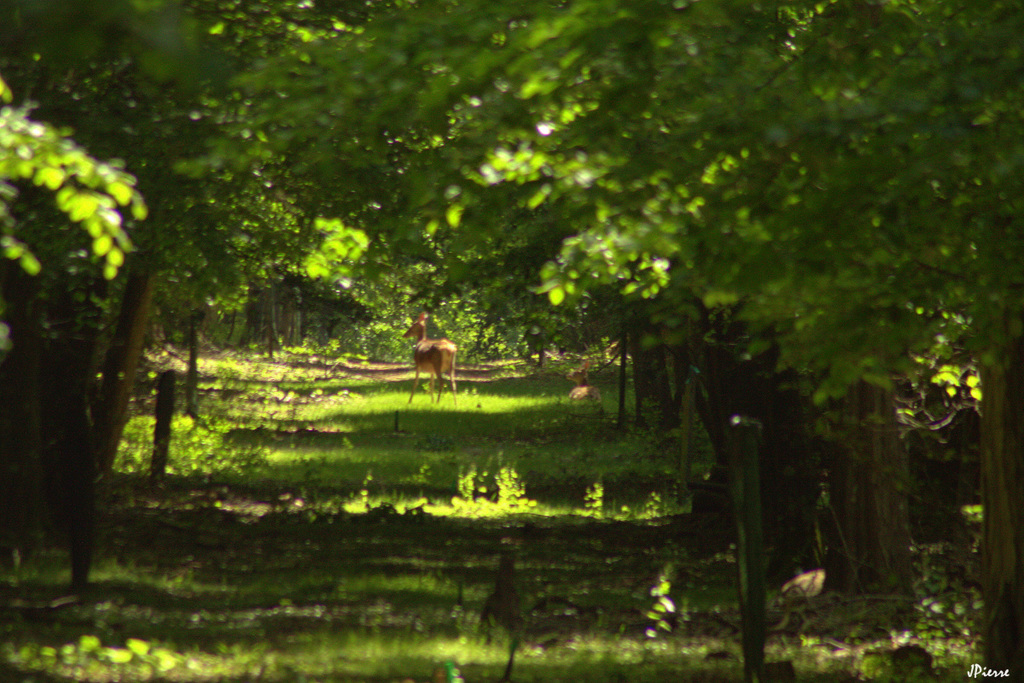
{"x": 593, "y": 500}
{"x": 663, "y": 612}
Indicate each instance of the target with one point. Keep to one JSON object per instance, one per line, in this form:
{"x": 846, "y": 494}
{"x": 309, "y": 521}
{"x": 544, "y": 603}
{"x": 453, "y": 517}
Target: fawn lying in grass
{"x": 582, "y": 390}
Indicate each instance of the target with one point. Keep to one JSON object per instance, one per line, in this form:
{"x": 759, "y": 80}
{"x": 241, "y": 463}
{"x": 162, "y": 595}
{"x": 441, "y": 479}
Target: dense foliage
{"x": 835, "y": 167}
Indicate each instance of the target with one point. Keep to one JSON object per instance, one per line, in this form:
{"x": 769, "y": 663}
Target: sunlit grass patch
{"x": 196, "y": 447}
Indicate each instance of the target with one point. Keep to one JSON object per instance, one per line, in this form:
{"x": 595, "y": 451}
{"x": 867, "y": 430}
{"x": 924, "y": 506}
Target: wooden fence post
{"x": 745, "y": 487}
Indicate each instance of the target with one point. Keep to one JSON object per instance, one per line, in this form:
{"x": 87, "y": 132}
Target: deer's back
{"x": 585, "y": 392}
{"x": 430, "y": 349}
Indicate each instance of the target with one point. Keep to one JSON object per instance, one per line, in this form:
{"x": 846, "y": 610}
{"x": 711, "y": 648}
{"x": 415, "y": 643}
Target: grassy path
{"x": 300, "y": 537}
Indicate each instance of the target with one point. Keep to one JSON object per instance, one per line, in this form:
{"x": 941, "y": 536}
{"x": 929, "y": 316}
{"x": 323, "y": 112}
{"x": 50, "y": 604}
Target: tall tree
{"x": 46, "y": 182}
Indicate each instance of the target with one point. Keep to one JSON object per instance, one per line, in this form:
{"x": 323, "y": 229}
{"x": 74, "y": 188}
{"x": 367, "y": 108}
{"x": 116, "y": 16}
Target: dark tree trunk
{"x": 271, "y": 313}
{"x": 110, "y": 412}
{"x": 22, "y": 503}
{"x": 254, "y": 317}
{"x": 69, "y": 456}
{"x": 869, "y": 478}
{"x": 46, "y": 440}
{"x": 1002, "y": 486}
{"x": 656, "y": 407}
{"x": 753, "y": 387}
{"x": 231, "y": 325}
{"x": 74, "y": 486}
{"x": 686, "y": 411}
{"x": 192, "y": 372}
{"x": 285, "y": 318}
{"x": 624, "y": 354}
{"x": 162, "y": 430}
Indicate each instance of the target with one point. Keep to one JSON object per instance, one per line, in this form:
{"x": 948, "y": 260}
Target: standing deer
{"x": 433, "y": 356}
{"x": 582, "y": 390}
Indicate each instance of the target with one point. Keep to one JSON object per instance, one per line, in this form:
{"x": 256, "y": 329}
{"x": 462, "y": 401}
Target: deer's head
{"x": 419, "y": 328}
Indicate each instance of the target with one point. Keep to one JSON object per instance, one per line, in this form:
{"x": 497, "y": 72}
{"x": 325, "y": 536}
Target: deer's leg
{"x": 451, "y": 376}
{"x": 439, "y": 376}
{"x": 414, "y": 383}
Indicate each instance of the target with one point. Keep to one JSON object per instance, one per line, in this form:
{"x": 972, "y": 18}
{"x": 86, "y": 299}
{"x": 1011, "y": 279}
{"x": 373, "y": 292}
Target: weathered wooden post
{"x": 744, "y": 486}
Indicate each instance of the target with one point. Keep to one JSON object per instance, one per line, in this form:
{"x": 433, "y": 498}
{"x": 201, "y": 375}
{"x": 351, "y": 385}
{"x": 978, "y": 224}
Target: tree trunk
{"x": 68, "y": 373}
{"x": 110, "y": 413}
{"x": 162, "y": 430}
{"x": 656, "y": 407}
{"x": 790, "y": 468}
{"x": 1002, "y": 486}
{"x": 271, "y": 304}
{"x": 255, "y": 322}
{"x": 285, "y": 317}
{"x": 22, "y": 502}
{"x": 74, "y": 485}
{"x": 624, "y": 350}
{"x": 686, "y": 426}
{"x": 192, "y": 372}
{"x": 871, "y": 548}
{"x": 47, "y": 450}
{"x": 231, "y": 325}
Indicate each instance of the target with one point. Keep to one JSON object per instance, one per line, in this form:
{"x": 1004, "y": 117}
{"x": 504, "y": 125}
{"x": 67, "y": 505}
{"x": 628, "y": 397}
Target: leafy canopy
{"x": 88, "y": 191}
{"x": 847, "y": 171}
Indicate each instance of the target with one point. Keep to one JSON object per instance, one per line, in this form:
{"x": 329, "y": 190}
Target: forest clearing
{"x": 299, "y": 536}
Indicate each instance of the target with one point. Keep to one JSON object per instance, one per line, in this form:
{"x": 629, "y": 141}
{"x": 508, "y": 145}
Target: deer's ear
{"x": 423, "y": 316}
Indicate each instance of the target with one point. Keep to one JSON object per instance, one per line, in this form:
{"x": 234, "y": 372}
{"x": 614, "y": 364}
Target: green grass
{"x": 346, "y": 427}
{"x": 301, "y": 537}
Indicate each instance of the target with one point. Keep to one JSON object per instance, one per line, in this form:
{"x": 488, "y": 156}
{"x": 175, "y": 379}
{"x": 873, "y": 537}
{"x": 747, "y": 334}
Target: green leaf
{"x": 556, "y": 295}
{"x": 538, "y": 198}
{"x": 454, "y": 215}
{"x": 82, "y": 206}
{"x": 89, "y": 643}
{"x": 49, "y": 176}
{"x": 166, "y": 659}
{"x": 102, "y": 245}
{"x": 16, "y": 251}
{"x": 121, "y": 192}
{"x": 139, "y": 210}
{"x": 115, "y": 257}
{"x": 716, "y": 298}
{"x": 30, "y": 264}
